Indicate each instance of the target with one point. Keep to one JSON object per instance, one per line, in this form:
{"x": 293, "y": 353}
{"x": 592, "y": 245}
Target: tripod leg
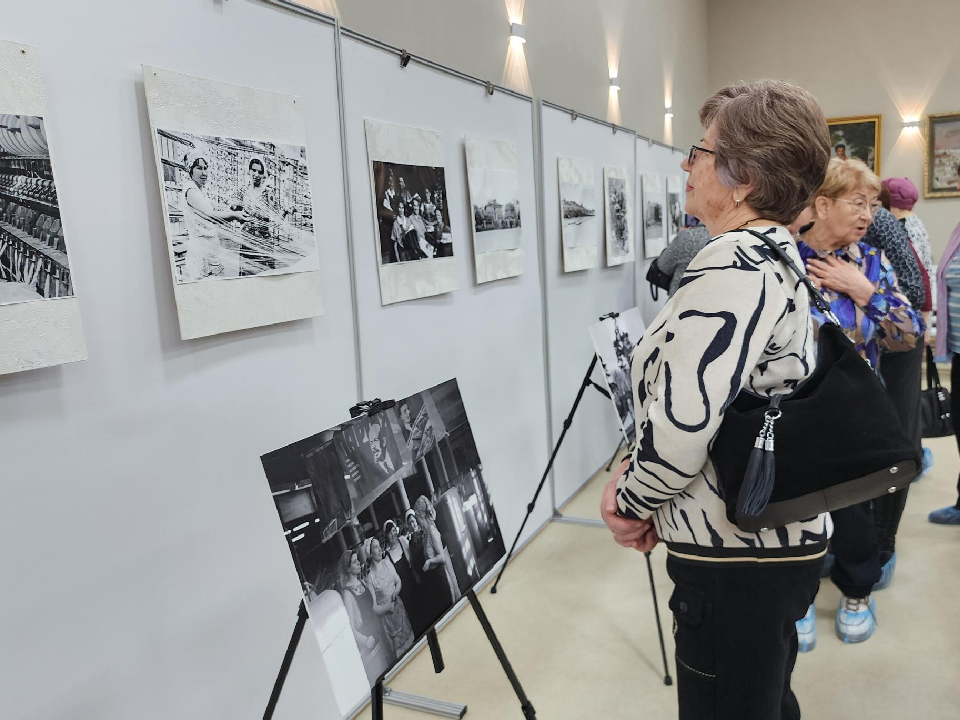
{"x": 614, "y": 456}
{"x": 546, "y": 473}
{"x": 435, "y": 653}
{"x": 667, "y": 680}
{"x": 528, "y": 712}
{"x": 287, "y": 661}
{"x": 376, "y": 701}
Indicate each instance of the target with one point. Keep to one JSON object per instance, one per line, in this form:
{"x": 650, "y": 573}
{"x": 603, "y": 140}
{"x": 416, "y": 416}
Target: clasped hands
{"x": 637, "y": 534}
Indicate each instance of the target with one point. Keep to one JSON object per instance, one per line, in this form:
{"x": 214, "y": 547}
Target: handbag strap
{"x": 819, "y": 300}
{"x": 933, "y": 375}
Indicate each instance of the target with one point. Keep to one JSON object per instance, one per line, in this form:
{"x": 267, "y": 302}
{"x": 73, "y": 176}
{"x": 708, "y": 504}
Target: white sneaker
{"x": 856, "y": 619}
{"x": 807, "y": 631}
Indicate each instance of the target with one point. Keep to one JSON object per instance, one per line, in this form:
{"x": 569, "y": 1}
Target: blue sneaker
{"x": 886, "y": 573}
{"x": 926, "y": 463}
{"x": 807, "y": 631}
{"x": 856, "y": 619}
{"x": 949, "y": 515}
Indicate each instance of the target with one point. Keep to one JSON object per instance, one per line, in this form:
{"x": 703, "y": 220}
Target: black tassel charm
{"x": 760, "y": 475}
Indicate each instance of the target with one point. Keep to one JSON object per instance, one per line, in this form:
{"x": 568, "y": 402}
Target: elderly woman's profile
{"x": 740, "y": 320}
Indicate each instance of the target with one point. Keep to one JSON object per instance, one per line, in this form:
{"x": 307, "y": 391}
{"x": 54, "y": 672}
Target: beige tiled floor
{"x": 575, "y": 615}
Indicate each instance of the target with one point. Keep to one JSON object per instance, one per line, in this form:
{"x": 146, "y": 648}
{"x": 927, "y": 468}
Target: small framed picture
{"x": 857, "y": 137}
{"x": 941, "y": 159}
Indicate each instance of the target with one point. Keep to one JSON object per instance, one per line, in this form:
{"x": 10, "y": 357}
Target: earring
{"x": 736, "y": 202}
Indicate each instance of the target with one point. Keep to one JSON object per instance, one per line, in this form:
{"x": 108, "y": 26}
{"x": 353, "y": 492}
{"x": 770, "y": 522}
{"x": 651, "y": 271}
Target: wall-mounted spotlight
{"x": 615, "y": 82}
{"x": 518, "y": 32}
{"x": 669, "y": 111}
{"x": 911, "y": 124}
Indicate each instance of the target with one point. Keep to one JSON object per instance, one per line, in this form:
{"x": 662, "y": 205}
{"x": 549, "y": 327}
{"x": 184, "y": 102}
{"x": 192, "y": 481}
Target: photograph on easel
{"x": 614, "y": 339}
{"x": 389, "y": 522}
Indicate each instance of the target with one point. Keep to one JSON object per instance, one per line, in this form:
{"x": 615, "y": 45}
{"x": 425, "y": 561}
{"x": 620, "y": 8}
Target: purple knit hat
{"x": 903, "y": 193}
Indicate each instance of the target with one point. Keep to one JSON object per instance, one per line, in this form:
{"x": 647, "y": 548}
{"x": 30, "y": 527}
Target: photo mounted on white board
{"x": 494, "y": 183}
{"x": 493, "y": 180}
{"x": 653, "y": 215}
{"x": 412, "y": 213}
{"x": 236, "y": 207}
{"x": 619, "y": 216}
{"x": 674, "y": 207}
{"x": 33, "y": 252}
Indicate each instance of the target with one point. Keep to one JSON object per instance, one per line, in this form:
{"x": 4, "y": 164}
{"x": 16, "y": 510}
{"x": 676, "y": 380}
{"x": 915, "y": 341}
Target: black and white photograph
{"x": 617, "y": 202}
{"x": 578, "y": 206}
{"x": 674, "y": 208}
{"x": 236, "y": 207}
{"x": 389, "y": 522}
{"x": 614, "y": 339}
{"x": 653, "y": 215}
{"x": 33, "y": 253}
{"x": 499, "y": 211}
{"x": 412, "y": 212}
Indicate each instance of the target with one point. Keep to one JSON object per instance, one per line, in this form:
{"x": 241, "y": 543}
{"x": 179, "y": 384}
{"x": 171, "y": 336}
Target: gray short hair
{"x": 771, "y": 134}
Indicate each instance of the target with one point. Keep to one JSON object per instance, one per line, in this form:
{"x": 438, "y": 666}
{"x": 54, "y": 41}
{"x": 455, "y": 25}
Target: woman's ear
{"x": 820, "y": 207}
{"x": 743, "y": 192}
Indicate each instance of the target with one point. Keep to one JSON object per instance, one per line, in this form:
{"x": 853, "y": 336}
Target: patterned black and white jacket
{"x": 740, "y": 320}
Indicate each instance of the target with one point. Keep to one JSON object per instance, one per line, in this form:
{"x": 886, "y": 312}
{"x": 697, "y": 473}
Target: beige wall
{"x": 659, "y": 46}
{"x": 858, "y": 57}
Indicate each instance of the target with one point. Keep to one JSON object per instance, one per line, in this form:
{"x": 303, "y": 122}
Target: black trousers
{"x": 856, "y": 549}
{"x": 736, "y": 637}
{"x": 955, "y": 406}
{"x": 901, "y": 373}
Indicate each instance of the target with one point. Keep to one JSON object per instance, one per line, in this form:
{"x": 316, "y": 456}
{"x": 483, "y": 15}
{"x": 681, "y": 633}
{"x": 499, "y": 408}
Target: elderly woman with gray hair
{"x": 740, "y": 320}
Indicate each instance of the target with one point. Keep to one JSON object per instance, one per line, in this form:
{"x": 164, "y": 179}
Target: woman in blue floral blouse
{"x": 862, "y": 289}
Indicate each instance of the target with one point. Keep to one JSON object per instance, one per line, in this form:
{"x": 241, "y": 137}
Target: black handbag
{"x": 838, "y": 437}
{"x": 658, "y": 280}
{"x": 935, "y": 419}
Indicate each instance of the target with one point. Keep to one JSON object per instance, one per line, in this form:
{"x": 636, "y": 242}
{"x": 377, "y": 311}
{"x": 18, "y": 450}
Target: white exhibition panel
{"x": 488, "y": 336}
{"x": 652, "y": 158}
{"x": 145, "y": 574}
{"x": 575, "y": 300}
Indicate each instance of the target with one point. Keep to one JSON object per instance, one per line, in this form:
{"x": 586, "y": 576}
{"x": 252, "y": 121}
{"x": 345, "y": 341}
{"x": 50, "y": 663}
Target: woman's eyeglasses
{"x": 859, "y": 205}
{"x": 694, "y": 149}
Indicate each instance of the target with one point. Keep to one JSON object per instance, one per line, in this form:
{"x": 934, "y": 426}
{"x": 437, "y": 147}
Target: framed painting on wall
{"x": 857, "y": 137}
{"x": 941, "y": 159}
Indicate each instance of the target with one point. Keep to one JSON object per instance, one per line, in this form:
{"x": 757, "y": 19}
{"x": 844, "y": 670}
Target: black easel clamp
{"x": 371, "y": 407}
{"x": 609, "y": 316}
{"x": 404, "y": 58}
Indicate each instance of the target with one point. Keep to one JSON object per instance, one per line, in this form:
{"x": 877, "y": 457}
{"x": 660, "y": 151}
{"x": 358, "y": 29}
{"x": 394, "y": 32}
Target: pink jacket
{"x": 943, "y": 312}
